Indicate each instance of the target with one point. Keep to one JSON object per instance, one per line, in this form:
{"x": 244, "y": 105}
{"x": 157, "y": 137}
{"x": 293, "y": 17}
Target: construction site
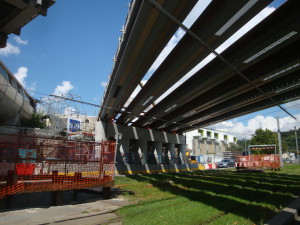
{"x": 53, "y": 145}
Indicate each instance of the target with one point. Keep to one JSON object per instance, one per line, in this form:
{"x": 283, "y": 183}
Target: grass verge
{"x": 208, "y": 197}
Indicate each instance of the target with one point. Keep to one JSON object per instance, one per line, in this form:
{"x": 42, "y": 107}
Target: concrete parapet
{"x": 174, "y": 168}
{"x": 122, "y": 168}
{"x": 194, "y": 167}
{"x": 289, "y": 215}
{"x": 184, "y": 167}
{"x": 153, "y": 168}
{"x": 145, "y": 168}
{"x": 162, "y": 168}
{"x": 133, "y": 169}
{"x": 119, "y": 168}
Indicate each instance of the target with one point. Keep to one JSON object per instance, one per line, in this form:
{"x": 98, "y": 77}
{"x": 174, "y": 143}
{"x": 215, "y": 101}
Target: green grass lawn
{"x": 208, "y": 197}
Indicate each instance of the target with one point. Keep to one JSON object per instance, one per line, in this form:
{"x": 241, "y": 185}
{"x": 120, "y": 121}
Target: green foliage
{"x": 235, "y": 147}
{"x": 239, "y": 146}
{"x": 266, "y": 137}
{"x": 290, "y": 138}
{"x": 35, "y": 121}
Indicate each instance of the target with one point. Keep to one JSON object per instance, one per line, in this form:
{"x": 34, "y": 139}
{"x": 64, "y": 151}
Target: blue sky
{"x": 75, "y": 42}
{"x": 71, "y": 49}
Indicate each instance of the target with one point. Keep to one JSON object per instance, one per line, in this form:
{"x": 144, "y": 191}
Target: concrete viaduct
{"x": 259, "y": 70}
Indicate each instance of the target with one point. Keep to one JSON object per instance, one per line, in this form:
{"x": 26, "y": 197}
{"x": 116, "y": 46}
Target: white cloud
{"x": 69, "y": 111}
{"x": 97, "y": 98}
{"x": 64, "y": 88}
{"x": 264, "y": 122}
{"x": 10, "y": 50}
{"x": 54, "y": 105}
{"x": 31, "y": 87}
{"x": 21, "y": 75}
{"x": 103, "y": 84}
{"x": 20, "y": 41}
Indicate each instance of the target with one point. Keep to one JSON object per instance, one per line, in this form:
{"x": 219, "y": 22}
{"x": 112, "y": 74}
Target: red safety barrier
{"x": 30, "y": 163}
{"x": 268, "y": 161}
{"x": 25, "y": 168}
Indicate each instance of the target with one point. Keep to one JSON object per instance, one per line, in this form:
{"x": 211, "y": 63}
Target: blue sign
{"x": 73, "y": 125}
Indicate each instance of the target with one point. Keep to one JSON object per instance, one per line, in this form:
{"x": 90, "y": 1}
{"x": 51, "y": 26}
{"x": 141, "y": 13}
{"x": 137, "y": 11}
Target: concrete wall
{"x": 143, "y": 150}
{"x": 106, "y": 131}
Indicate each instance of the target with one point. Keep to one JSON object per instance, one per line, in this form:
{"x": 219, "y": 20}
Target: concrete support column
{"x": 182, "y": 151}
{"x": 124, "y": 149}
{"x": 171, "y": 152}
{"x": 157, "y": 145}
{"x": 142, "y": 150}
{"x": 195, "y": 146}
{"x": 215, "y": 146}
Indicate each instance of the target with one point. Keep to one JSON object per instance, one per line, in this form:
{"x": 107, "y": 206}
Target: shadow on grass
{"x": 252, "y": 196}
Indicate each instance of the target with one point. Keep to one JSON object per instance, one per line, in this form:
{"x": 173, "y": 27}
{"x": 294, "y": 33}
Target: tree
{"x": 290, "y": 139}
{"x": 235, "y": 147}
{"x": 35, "y": 121}
{"x": 265, "y": 137}
{"x": 241, "y": 145}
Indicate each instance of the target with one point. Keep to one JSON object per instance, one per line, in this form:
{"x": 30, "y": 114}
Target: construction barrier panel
{"x": 30, "y": 163}
{"x": 210, "y": 166}
{"x": 252, "y": 161}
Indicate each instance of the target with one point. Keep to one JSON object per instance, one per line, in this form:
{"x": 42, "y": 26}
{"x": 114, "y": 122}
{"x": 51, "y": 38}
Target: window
{"x": 20, "y": 90}
{"x": 12, "y": 82}
{"x": 3, "y": 72}
{"x": 27, "y": 98}
{"x": 208, "y": 134}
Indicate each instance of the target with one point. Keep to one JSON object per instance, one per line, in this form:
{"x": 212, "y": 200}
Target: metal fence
{"x": 30, "y": 163}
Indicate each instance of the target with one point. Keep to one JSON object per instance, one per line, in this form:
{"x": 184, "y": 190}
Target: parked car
{"x": 287, "y": 160}
{"x": 226, "y": 163}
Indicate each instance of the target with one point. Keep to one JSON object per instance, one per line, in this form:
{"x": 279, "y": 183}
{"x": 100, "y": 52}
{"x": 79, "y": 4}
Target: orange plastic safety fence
{"x": 268, "y": 161}
{"x": 31, "y": 163}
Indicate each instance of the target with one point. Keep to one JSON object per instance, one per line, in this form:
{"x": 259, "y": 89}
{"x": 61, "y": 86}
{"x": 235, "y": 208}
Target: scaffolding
{"x": 31, "y": 163}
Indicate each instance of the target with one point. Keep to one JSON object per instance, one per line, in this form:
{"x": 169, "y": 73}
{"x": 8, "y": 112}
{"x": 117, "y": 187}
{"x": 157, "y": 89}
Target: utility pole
{"x": 296, "y": 141}
{"x": 279, "y": 143}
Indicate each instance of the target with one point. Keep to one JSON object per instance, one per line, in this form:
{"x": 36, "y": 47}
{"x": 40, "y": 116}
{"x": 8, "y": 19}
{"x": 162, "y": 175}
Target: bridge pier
{"x": 143, "y": 148}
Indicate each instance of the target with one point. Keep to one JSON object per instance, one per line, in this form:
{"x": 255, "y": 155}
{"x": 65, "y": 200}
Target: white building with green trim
{"x": 205, "y": 141}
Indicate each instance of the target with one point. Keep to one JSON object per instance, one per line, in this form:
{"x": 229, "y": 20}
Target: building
{"x": 204, "y": 141}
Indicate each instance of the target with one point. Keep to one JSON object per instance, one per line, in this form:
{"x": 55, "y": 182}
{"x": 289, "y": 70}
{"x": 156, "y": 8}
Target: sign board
{"x": 73, "y": 126}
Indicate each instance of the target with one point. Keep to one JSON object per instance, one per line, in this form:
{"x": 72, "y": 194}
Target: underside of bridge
{"x": 259, "y": 70}
{"x": 15, "y": 14}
